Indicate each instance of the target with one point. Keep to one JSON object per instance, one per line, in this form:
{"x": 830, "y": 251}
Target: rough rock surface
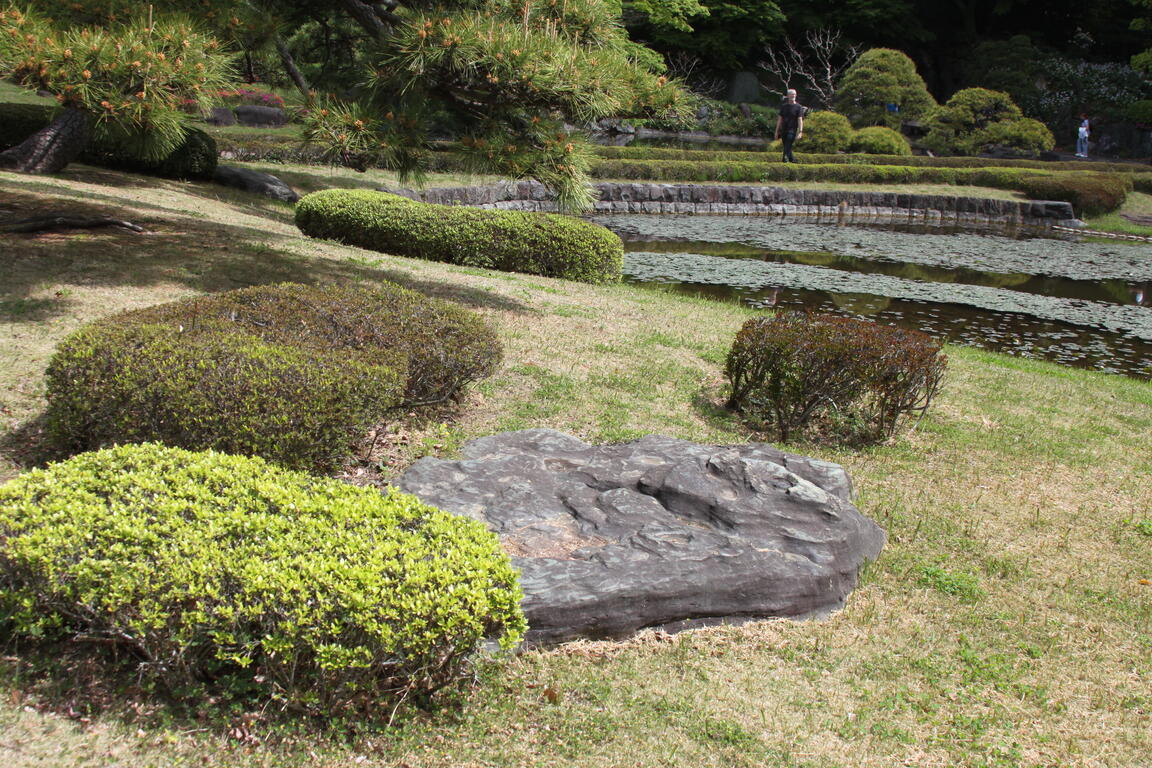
{"x": 253, "y": 181}
{"x": 260, "y": 116}
{"x": 658, "y": 532}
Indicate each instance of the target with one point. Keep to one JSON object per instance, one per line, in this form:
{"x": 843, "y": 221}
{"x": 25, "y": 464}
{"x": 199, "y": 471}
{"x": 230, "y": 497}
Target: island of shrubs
{"x": 534, "y": 243}
{"x": 296, "y": 374}
{"x": 258, "y": 582}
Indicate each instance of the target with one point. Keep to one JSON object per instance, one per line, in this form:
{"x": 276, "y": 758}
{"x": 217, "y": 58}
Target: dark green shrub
{"x": 1091, "y": 194}
{"x": 511, "y": 241}
{"x": 1139, "y": 112}
{"x": 879, "y": 140}
{"x": 19, "y": 121}
{"x": 1142, "y": 182}
{"x": 976, "y": 118}
{"x": 855, "y": 379}
{"x": 293, "y": 373}
{"x": 879, "y": 78}
{"x": 231, "y": 572}
{"x": 826, "y": 132}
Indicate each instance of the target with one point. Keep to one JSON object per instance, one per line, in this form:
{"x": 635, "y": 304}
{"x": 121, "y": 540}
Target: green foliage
{"x": 727, "y": 119}
{"x": 228, "y": 571}
{"x": 503, "y": 75}
{"x": 1140, "y": 111}
{"x": 853, "y": 379}
{"x": 1091, "y": 194}
{"x": 194, "y": 158}
{"x": 130, "y": 78}
{"x": 965, "y": 586}
{"x": 511, "y": 241}
{"x": 1012, "y": 66}
{"x": 293, "y": 373}
{"x": 880, "y": 140}
{"x": 725, "y": 38}
{"x": 825, "y": 132}
{"x": 976, "y": 118}
{"x": 882, "y": 76}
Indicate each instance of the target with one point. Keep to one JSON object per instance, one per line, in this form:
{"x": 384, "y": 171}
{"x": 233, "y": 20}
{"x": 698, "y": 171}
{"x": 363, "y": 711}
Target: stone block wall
{"x": 738, "y": 200}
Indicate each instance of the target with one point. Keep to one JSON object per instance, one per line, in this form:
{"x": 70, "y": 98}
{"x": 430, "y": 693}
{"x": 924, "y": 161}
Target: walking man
{"x": 790, "y": 124}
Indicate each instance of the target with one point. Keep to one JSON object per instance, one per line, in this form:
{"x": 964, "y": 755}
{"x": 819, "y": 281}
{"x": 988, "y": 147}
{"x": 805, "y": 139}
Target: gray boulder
{"x": 256, "y": 115}
{"x": 658, "y": 532}
{"x": 253, "y": 181}
{"x": 222, "y": 116}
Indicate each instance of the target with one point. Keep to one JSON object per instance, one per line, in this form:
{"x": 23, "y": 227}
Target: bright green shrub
{"x": 879, "y": 140}
{"x": 880, "y": 77}
{"x": 231, "y": 572}
{"x": 853, "y": 379}
{"x": 293, "y": 373}
{"x": 1091, "y": 194}
{"x": 1026, "y": 135}
{"x": 511, "y": 241}
{"x": 826, "y": 132}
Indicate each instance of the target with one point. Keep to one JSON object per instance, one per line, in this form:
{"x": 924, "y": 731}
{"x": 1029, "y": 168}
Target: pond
{"x": 1086, "y": 304}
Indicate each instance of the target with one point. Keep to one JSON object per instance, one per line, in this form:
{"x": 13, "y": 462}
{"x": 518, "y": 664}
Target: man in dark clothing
{"x": 790, "y": 124}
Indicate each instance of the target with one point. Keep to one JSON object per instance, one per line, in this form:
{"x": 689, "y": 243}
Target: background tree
{"x": 815, "y": 67}
{"x": 127, "y": 80}
{"x": 879, "y": 80}
{"x": 727, "y": 39}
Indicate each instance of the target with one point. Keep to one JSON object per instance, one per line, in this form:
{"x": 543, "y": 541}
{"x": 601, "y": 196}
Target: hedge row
{"x": 296, "y": 374}
{"x": 195, "y": 158}
{"x": 511, "y": 241}
{"x": 1090, "y": 193}
{"x": 916, "y": 161}
{"x": 224, "y": 570}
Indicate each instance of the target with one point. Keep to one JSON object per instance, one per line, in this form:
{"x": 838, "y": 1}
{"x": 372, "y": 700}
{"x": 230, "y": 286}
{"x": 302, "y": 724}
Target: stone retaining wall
{"x": 734, "y": 200}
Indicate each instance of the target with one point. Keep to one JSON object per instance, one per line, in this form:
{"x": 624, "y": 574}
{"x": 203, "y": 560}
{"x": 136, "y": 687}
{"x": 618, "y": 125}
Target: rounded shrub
{"x": 850, "y": 379}
{"x": 882, "y": 87}
{"x": 825, "y": 132}
{"x": 879, "y": 140}
{"x": 289, "y": 372}
{"x": 511, "y": 241}
{"x": 975, "y": 119}
{"x": 231, "y": 572}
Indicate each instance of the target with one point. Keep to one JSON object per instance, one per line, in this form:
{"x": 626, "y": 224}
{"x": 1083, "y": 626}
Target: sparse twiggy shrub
{"x": 293, "y": 373}
{"x": 854, "y": 379}
{"x": 231, "y": 573}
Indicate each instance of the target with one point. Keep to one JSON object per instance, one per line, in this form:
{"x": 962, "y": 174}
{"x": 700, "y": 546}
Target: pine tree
{"x": 126, "y": 80}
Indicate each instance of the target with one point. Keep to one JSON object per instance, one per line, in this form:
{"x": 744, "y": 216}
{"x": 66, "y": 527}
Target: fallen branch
{"x": 44, "y": 223}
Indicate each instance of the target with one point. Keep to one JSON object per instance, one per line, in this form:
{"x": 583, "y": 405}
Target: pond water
{"x": 1087, "y": 304}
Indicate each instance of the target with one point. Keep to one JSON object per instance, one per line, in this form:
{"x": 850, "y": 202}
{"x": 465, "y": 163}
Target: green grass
{"x": 1005, "y": 624}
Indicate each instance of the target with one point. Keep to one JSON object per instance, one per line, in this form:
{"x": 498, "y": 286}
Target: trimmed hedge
{"x": 511, "y": 241}
{"x": 231, "y": 572}
{"x": 917, "y": 161}
{"x": 293, "y": 373}
{"x": 195, "y": 158}
{"x": 852, "y": 380}
{"x": 1091, "y": 194}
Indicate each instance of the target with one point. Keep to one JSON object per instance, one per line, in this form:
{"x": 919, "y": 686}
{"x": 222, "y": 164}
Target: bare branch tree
{"x": 816, "y": 68}
{"x": 687, "y": 68}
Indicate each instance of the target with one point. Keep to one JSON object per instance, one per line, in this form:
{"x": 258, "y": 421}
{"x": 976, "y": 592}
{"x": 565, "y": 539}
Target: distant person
{"x": 790, "y": 124}
{"x": 1082, "y": 134}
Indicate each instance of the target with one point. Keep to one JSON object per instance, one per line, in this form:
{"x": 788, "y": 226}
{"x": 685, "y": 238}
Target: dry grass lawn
{"x": 1007, "y": 623}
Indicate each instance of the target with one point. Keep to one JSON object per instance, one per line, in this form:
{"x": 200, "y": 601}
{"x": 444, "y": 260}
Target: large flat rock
{"x": 657, "y": 532}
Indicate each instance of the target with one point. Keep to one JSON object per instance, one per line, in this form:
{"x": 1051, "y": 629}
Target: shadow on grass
{"x": 202, "y": 255}
{"x": 708, "y": 402}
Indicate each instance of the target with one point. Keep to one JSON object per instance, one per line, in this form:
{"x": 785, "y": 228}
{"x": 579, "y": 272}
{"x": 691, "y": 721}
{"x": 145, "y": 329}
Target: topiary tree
{"x": 125, "y": 81}
{"x": 882, "y": 87}
{"x": 975, "y": 118}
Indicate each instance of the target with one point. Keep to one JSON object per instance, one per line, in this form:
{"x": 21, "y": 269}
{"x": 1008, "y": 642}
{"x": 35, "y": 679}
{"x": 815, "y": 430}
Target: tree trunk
{"x": 290, "y": 66}
{"x": 50, "y": 149}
